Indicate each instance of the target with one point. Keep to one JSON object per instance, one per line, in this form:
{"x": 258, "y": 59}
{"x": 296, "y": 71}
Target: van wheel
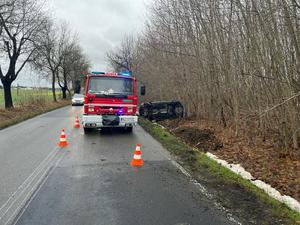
{"x": 87, "y": 130}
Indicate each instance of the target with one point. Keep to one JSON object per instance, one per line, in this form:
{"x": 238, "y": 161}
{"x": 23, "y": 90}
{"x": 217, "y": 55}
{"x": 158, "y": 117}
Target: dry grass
{"x": 259, "y": 155}
{"x": 25, "y": 96}
{"x": 25, "y": 111}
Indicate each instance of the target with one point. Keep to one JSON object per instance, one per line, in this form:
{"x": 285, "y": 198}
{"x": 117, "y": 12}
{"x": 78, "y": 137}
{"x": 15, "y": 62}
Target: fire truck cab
{"x": 110, "y": 101}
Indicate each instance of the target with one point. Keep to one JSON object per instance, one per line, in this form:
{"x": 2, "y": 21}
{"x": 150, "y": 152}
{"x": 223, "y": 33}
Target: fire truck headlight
{"x": 91, "y": 109}
{"x": 130, "y": 109}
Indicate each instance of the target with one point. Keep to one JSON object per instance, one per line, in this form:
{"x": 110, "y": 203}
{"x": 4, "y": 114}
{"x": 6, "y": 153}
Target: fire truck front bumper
{"x": 97, "y": 121}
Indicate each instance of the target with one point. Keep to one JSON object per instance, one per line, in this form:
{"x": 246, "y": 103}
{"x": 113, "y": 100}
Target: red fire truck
{"x": 110, "y": 101}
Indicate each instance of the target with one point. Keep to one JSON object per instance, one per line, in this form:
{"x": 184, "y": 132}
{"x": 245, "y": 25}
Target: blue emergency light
{"x": 125, "y": 73}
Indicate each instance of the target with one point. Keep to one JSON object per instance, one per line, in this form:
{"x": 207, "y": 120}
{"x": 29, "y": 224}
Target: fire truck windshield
{"x": 110, "y": 86}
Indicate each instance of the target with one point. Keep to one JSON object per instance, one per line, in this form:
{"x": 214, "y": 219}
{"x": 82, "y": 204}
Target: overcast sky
{"x": 100, "y": 24}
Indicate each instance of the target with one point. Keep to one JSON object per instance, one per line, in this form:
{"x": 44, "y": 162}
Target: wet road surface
{"x": 91, "y": 181}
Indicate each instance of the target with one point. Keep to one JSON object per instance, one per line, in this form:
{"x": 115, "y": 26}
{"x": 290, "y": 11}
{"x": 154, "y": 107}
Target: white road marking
{"x": 29, "y": 188}
{"x": 51, "y": 154}
{"x": 43, "y": 178}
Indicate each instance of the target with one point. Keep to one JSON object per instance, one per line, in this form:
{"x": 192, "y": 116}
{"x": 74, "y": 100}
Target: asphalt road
{"x": 91, "y": 181}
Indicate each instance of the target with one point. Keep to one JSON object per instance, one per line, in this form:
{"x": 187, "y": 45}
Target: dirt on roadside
{"x": 23, "y": 112}
{"x": 262, "y": 158}
{"x": 203, "y": 138}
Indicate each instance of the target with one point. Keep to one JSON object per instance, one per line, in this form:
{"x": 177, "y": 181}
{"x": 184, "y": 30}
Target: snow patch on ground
{"x": 236, "y": 168}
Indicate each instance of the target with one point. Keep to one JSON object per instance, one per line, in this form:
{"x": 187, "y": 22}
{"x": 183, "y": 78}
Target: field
{"x": 26, "y": 96}
{"x": 28, "y": 103}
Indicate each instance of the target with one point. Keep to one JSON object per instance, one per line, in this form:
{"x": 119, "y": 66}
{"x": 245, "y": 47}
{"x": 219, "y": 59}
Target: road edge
{"x": 191, "y": 158}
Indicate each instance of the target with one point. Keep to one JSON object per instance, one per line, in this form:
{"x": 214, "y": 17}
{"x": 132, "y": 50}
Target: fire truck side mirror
{"x": 143, "y": 90}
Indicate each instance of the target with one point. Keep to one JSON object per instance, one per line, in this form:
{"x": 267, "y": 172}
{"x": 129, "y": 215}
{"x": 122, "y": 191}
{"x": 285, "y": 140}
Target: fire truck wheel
{"x": 87, "y": 130}
{"x": 128, "y": 129}
{"x": 105, "y": 129}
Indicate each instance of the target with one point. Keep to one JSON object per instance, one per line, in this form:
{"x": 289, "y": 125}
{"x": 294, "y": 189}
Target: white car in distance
{"x": 77, "y": 99}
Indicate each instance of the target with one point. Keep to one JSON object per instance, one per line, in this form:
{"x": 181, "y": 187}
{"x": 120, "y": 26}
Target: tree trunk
{"x": 53, "y": 87}
{"x": 69, "y": 93}
{"x": 65, "y": 87}
{"x": 7, "y": 94}
{"x": 64, "y": 92}
{"x": 295, "y": 140}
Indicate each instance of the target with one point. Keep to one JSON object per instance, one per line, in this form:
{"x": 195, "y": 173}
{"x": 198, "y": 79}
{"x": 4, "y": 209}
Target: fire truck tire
{"x": 128, "y": 129}
{"x": 105, "y": 129}
{"x": 87, "y": 130}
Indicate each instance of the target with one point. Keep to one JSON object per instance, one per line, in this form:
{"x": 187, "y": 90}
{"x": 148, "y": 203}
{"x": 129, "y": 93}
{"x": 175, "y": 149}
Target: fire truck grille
{"x": 110, "y": 107}
{"x": 110, "y": 120}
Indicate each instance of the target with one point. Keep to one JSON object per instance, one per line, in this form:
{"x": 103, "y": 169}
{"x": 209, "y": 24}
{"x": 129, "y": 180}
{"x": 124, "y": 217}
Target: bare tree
{"x": 231, "y": 61}
{"x": 21, "y": 22}
{"x": 68, "y": 42}
{"x": 50, "y": 52}
{"x": 74, "y": 67}
{"x": 122, "y": 58}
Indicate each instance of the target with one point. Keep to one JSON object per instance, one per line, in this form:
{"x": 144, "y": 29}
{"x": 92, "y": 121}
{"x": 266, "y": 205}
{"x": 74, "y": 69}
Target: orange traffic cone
{"x": 77, "y": 124}
{"x": 63, "y": 139}
{"x": 137, "y": 158}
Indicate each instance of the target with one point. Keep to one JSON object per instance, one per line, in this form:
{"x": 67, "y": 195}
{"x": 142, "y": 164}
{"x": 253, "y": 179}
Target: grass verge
{"x": 22, "y": 96}
{"x": 198, "y": 163}
{"x": 19, "y": 114}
